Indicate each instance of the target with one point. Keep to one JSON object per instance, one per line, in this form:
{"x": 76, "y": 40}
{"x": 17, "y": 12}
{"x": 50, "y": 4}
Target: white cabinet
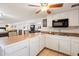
{"x": 52, "y": 42}
{"x": 61, "y": 15}
{"x": 20, "y": 52}
{"x": 73, "y": 16}
{"x": 64, "y": 45}
{"x": 37, "y": 44}
{"x": 75, "y": 46}
{"x": 58, "y": 43}
{"x": 1, "y": 51}
{"x": 42, "y": 42}
{"x": 17, "y": 49}
{"x": 55, "y": 17}
{"x": 49, "y": 20}
{"x": 34, "y": 46}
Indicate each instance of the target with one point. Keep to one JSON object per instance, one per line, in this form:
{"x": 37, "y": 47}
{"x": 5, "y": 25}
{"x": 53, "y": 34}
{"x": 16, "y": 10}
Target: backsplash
{"x": 69, "y": 30}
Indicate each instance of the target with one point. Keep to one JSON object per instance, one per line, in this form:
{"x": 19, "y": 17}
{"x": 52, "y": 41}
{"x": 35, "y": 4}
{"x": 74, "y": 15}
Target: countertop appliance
{"x": 60, "y": 23}
{"x": 32, "y": 28}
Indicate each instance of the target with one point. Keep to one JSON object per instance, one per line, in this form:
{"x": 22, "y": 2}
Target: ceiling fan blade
{"x": 33, "y": 5}
{"x": 49, "y": 12}
{"x": 55, "y": 5}
{"x": 38, "y": 11}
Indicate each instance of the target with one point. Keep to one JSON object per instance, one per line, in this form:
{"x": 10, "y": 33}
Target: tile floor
{"x": 48, "y": 52}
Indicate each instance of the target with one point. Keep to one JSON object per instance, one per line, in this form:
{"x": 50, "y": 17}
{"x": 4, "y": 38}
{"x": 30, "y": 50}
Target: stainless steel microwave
{"x": 60, "y": 23}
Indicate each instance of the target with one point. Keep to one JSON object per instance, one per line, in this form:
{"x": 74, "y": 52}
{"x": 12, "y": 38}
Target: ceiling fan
{"x": 46, "y": 7}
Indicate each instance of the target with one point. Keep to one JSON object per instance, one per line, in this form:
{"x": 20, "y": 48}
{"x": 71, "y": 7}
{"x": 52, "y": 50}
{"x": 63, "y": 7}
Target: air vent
{"x": 75, "y": 5}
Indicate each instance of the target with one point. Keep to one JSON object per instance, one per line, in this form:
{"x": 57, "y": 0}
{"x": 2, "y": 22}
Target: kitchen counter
{"x": 62, "y": 33}
{"x": 13, "y": 39}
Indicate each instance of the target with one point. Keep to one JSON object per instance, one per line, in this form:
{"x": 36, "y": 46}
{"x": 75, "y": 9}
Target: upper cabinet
{"x": 73, "y": 16}
{"x": 49, "y": 20}
{"x": 60, "y": 16}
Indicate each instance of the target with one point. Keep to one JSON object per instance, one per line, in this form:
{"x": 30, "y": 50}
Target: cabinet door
{"x": 34, "y": 46}
{"x": 74, "y": 48}
{"x": 18, "y": 49}
{"x": 20, "y": 52}
{"x": 42, "y": 42}
{"x": 73, "y": 16}
{"x": 52, "y": 42}
{"x": 1, "y": 51}
{"x": 49, "y": 20}
{"x": 64, "y": 45}
{"x": 61, "y": 15}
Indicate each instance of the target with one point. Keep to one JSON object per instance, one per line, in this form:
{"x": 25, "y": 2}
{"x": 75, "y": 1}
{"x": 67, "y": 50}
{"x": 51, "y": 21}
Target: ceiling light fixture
{"x": 44, "y": 9}
{"x": 44, "y": 6}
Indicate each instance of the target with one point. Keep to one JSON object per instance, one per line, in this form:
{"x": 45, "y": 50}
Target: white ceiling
{"x": 21, "y": 11}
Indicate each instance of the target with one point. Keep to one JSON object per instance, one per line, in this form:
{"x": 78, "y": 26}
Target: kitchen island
{"x": 18, "y": 45}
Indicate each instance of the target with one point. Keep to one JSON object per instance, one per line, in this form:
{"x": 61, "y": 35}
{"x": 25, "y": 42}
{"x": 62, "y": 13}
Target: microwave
{"x": 60, "y": 23}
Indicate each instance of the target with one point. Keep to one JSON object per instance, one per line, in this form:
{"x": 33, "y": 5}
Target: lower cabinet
{"x": 17, "y": 49}
{"x": 75, "y": 47}
{"x": 30, "y": 47}
{"x": 52, "y": 42}
{"x": 37, "y": 44}
{"x": 20, "y": 52}
{"x": 42, "y": 42}
{"x": 64, "y": 45}
{"x": 34, "y": 46}
{"x": 58, "y": 43}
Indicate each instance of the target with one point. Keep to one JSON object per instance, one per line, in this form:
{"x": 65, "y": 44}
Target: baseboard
{"x": 40, "y": 51}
